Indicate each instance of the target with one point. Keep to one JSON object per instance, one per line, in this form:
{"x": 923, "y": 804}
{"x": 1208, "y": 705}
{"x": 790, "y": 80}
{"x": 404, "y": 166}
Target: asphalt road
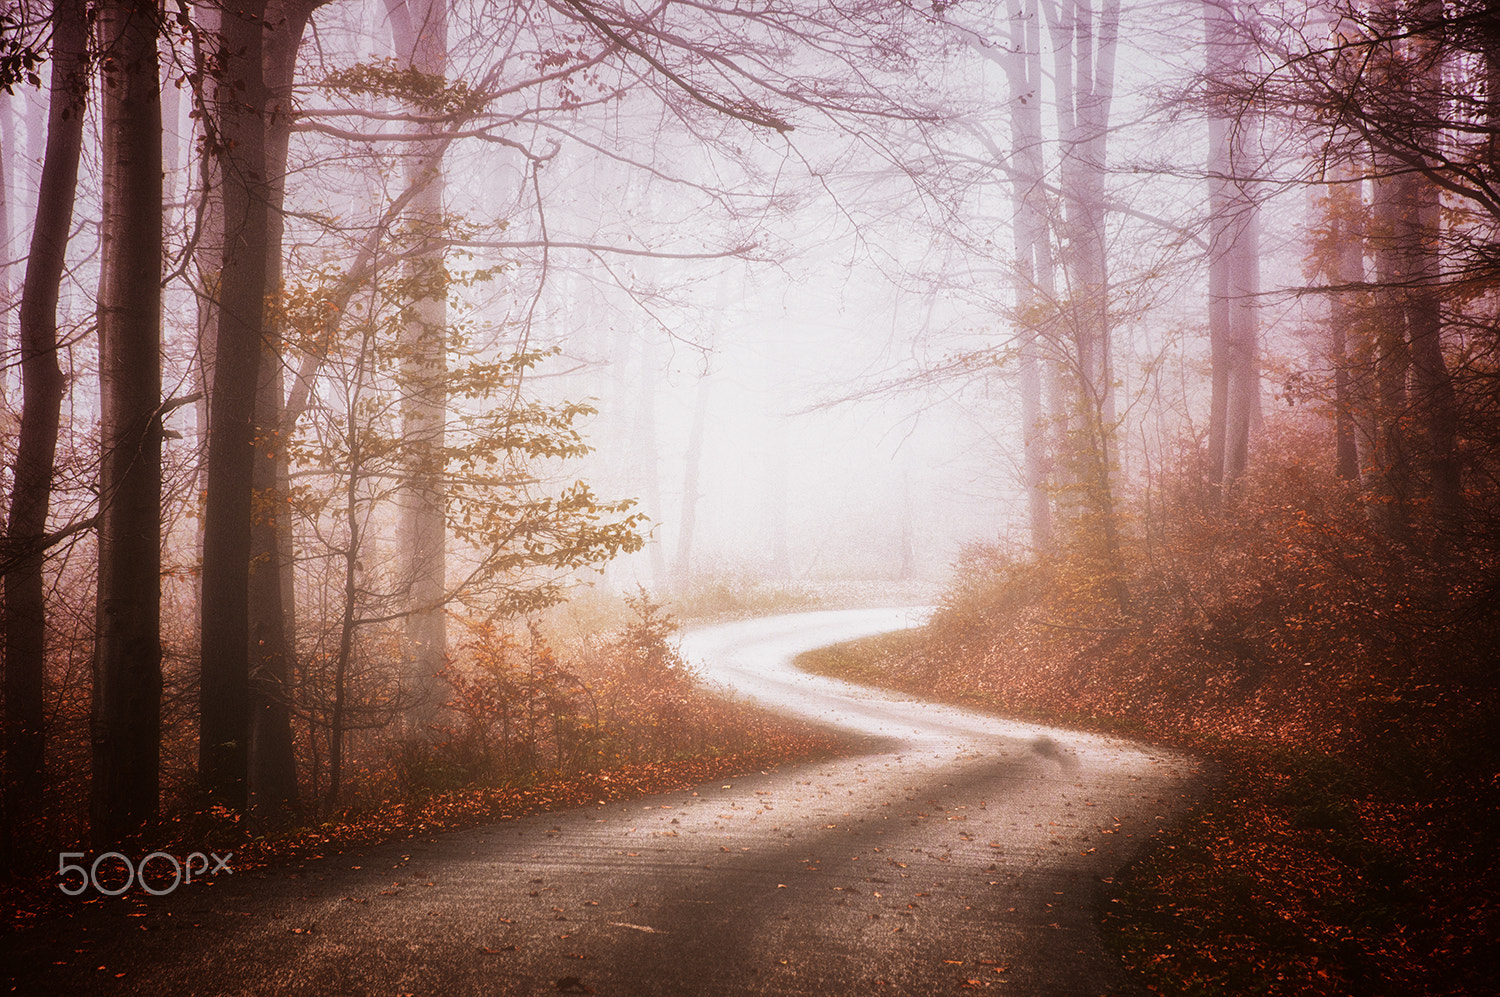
{"x": 959, "y": 852}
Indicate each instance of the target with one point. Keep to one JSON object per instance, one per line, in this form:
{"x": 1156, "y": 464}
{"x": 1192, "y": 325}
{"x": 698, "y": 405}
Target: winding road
{"x": 958, "y": 852}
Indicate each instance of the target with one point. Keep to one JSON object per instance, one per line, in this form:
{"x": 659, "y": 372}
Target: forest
{"x": 352, "y": 348}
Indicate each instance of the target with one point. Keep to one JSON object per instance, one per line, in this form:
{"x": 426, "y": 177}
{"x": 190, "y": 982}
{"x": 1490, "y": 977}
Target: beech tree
{"x": 127, "y": 668}
{"x": 1395, "y": 99}
{"x": 26, "y": 535}
{"x": 1084, "y": 42}
{"x": 517, "y": 531}
{"x": 272, "y": 598}
{"x": 1034, "y": 275}
{"x": 1233, "y": 251}
{"x": 420, "y": 31}
{"x": 238, "y": 142}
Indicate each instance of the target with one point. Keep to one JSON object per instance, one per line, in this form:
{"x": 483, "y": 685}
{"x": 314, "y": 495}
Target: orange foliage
{"x": 1346, "y": 680}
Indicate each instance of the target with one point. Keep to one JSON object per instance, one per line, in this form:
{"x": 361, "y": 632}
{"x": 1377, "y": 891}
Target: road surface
{"x": 959, "y": 852}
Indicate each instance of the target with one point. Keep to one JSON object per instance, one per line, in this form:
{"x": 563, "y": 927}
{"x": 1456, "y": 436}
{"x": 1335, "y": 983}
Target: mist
{"x": 343, "y": 341}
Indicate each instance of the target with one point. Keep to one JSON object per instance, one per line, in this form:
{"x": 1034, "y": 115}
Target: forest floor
{"x": 1313, "y": 869}
{"x": 1309, "y": 871}
{"x": 750, "y": 741}
{"x": 953, "y": 851}
{"x": 729, "y": 739}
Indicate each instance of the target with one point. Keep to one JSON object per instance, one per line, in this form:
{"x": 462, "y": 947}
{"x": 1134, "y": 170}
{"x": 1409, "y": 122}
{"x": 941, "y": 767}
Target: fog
{"x": 384, "y": 384}
{"x": 812, "y": 464}
{"x": 778, "y": 258}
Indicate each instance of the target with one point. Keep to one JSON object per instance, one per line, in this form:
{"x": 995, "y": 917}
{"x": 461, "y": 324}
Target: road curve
{"x": 959, "y": 852}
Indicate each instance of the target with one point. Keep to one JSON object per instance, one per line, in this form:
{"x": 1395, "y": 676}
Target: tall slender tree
{"x": 126, "y": 726}
{"x": 692, "y": 464}
{"x": 1084, "y": 42}
{"x": 271, "y": 611}
{"x": 1036, "y": 284}
{"x": 1341, "y": 262}
{"x": 1421, "y": 234}
{"x": 42, "y": 385}
{"x": 238, "y": 143}
{"x": 420, "y": 31}
{"x": 1233, "y": 251}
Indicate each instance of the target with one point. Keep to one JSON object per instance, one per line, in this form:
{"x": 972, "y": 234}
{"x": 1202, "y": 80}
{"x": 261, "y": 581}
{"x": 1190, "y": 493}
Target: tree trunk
{"x": 646, "y": 448}
{"x": 1417, "y": 417}
{"x": 1345, "y": 314}
{"x": 1233, "y": 258}
{"x": 1432, "y": 385}
{"x": 1085, "y": 81}
{"x": 1084, "y": 45}
{"x": 347, "y": 626}
{"x": 1036, "y": 288}
{"x": 907, "y": 554}
{"x": 1490, "y": 32}
{"x": 350, "y": 596}
{"x": 1389, "y": 498}
{"x": 779, "y": 500}
{"x": 420, "y": 31}
{"x": 42, "y": 381}
{"x": 692, "y": 463}
{"x": 273, "y": 772}
{"x": 208, "y": 258}
{"x": 238, "y": 105}
{"x": 127, "y": 663}
{"x": 7, "y": 146}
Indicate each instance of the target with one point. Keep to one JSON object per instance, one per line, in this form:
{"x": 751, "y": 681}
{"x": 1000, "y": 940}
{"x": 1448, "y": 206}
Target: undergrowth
{"x": 1345, "y": 683}
{"x": 526, "y": 728}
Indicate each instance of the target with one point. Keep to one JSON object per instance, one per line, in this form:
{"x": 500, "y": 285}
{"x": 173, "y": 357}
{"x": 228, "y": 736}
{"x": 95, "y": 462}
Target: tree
{"x": 1410, "y": 218}
{"x": 682, "y": 563}
{"x": 420, "y": 31}
{"x": 43, "y": 384}
{"x": 517, "y": 536}
{"x": 1233, "y": 252}
{"x": 1394, "y": 98}
{"x": 271, "y": 592}
{"x": 237, "y": 141}
{"x": 127, "y": 666}
{"x": 1034, "y": 276}
{"x": 1338, "y": 261}
{"x": 1084, "y": 43}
